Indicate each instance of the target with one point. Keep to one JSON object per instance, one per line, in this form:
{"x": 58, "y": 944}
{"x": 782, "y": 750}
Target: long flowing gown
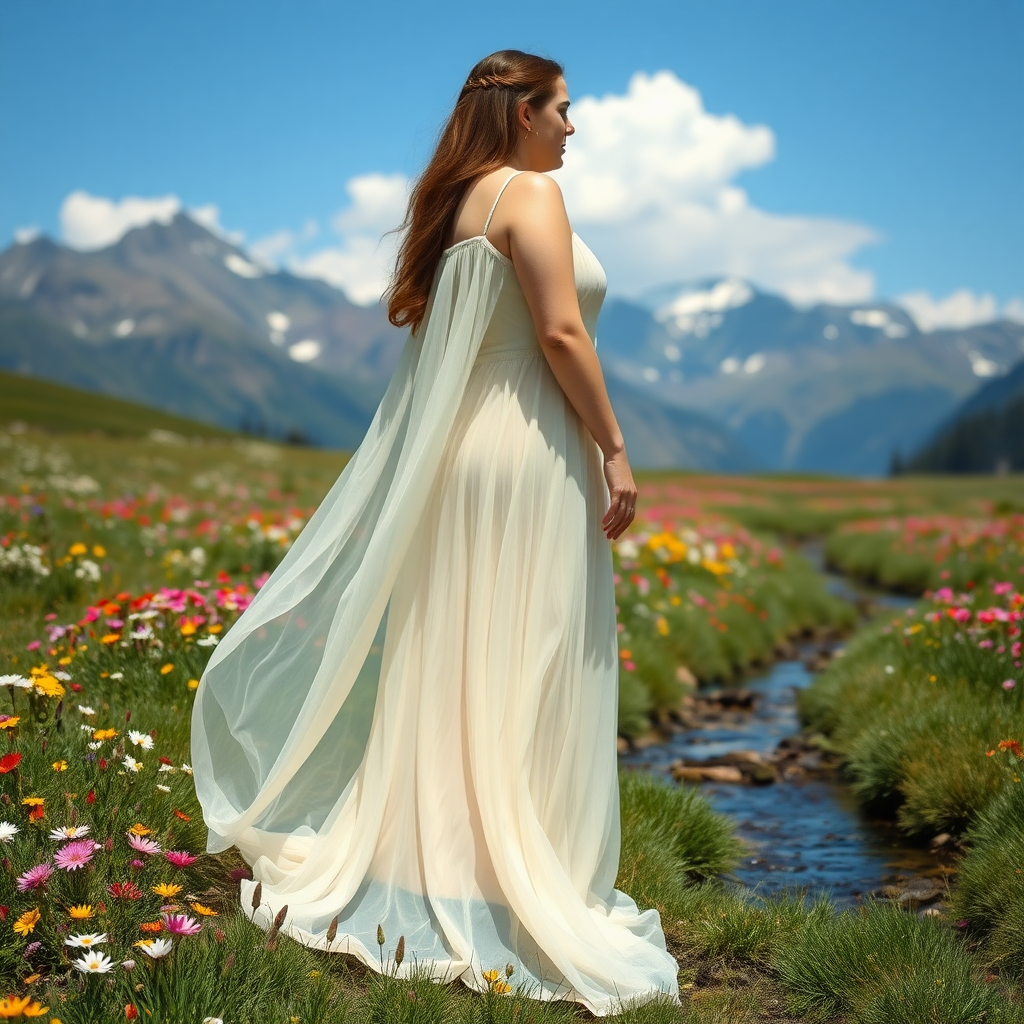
{"x": 414, "y": 722}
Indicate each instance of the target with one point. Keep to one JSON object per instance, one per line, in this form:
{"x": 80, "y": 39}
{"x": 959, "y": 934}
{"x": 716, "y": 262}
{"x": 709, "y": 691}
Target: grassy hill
{"x": 64, "y": 410}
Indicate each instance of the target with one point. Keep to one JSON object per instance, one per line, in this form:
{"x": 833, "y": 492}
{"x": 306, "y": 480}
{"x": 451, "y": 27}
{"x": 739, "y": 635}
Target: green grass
{"x": 62, "y": 409}
{"x": 990, "y": 889}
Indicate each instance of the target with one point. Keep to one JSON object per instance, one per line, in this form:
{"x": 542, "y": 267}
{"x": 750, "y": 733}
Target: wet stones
{"x": 740, "y": 766}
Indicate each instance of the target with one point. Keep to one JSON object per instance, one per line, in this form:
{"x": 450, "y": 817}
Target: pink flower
{"x": 984, "y": 643}
{"x": 34, "y": 645}
{"x": 629, "y": 666}
{"x": 1009, "y": 684}
{"x": 76, "y": 854}
{"x": 1002, "y": 588}
{"x": 180, "y": 858}
{"x": 137, "y": 864}
{"x": 182, "y": 924}
{"x": 35, "y": 878}
{"x": 142, "y": 844}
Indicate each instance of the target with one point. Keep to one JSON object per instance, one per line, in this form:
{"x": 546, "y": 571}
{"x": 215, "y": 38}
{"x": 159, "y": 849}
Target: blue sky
{"x": 868, "y": 149}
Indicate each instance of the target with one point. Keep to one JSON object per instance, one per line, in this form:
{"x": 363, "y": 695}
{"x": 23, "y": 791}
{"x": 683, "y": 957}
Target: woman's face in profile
{"x": 551, "y": 126}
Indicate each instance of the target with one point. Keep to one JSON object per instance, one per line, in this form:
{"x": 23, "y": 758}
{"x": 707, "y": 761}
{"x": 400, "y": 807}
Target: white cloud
{"x": 959, "y": 309}
{"x": 647, "y": 181}
{"x": 362, "y": 261}
{"x": 22, "y": 236}
{"x": 94, "y": 222}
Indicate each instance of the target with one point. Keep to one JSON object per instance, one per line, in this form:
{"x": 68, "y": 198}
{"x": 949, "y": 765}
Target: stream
{"x": 804, "y": 832}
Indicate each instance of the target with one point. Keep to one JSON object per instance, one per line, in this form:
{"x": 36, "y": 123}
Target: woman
{"x": 413, "y": 724}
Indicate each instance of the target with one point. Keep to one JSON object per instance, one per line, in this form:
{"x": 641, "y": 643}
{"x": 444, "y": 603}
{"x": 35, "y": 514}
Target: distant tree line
{"x": 256, "y": 426}
{"x": 987, "y": 441}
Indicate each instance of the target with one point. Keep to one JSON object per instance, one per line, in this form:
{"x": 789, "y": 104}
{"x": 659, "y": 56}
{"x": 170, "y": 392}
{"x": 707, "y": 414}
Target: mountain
{"x": 985, "y": 434}
{"x": 828, "y": 388}
{"x": 175, "y": 317}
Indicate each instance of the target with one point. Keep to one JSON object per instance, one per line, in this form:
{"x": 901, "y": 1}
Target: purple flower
{"x": 76, "y": 854}
{"x": 31, "y": 948}
{"x": 35, "y": 878}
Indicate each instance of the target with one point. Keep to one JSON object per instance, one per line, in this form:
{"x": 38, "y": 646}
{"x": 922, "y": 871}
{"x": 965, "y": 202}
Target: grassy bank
{"x": 928, "y": 711}
{"x": 710, "y": 596}
{"x": 917, "y": 553}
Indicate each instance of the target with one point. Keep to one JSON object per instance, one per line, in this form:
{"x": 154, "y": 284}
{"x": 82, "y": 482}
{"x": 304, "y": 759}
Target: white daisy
{"x": 86, "y": 941}
{"x": 167, "y": 768}
{"x": 164, "y": 789}
{"x": 208, "y": 641}
{"x": 61, "y": 675}
{"x": 86, "y": 710}
{"x": 25, "y": 684}
{"x": 142, "y": 739}
{"x": 70, "y": 832}
{"x": 94, "y": 963}
{"x": 131, "y": 764}
{"x": 156, "y": 948}
{"x": 95, "y": 744}
{"x": 117, "y": 675}
{"x": 8, "y": 830}
{"x": 186, "y": 767}
{"x": 85, "y": 727}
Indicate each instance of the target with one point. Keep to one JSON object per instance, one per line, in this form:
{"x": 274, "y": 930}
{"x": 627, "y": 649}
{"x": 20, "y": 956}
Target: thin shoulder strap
{"x": 496, "y": 198}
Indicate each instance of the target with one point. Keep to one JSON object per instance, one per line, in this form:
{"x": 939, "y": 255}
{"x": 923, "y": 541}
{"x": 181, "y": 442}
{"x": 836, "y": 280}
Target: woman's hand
{"x": 622, "y": 491}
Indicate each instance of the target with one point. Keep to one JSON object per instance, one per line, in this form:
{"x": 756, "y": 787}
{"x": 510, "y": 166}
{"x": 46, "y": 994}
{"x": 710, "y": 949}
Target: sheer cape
{"x": 292, "y": 682}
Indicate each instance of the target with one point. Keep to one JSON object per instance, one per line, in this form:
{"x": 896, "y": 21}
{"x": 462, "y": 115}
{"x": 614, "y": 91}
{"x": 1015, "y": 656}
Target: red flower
{"x": 91, "y": 797}
{"x": 130, "y": 1012}
{"x": 9, "y": 761}
{"x": 124, "y": 891}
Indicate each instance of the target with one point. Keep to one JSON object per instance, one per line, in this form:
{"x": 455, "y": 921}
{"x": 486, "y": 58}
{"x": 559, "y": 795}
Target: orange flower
{"x": 151, "y": 926}
{"x": 110, "y": 638}
{"x": 1012, "y": 746}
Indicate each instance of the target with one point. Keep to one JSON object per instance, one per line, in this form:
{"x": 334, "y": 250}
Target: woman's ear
{"x": 523, "y": 116}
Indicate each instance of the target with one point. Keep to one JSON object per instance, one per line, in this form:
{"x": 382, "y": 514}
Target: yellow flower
{"x": 207, "y": 911}
{"x": 164, "y": 669}
{"x": 31, "y": 978}
{"x": 11, "y": 722}
{"x": 77, "y": 549}
{"x": 188, "y": 629}
{"x": 166, "y": 889}
{"x": 98, "y": 550}
{"x": 139, "y": 829}
{"x": 491, "y": 976}
{"x": 81, "y": 912}
{"x": 662, "y": 624}
{"x": 34, "y": 801}
{"x": 215, "y": 628}
{"x": 110, "y": 638}
{"x": 49, "y": 686}
{"x": 193, "y": 684}
{"x": 60, "y": 766}
{"x": 728, "y": 551}
{"x": 27, "y": 921}
{"x": 104, "y": 734}
{"x": 675, "y": 599}
{"x": 65, "y": 661}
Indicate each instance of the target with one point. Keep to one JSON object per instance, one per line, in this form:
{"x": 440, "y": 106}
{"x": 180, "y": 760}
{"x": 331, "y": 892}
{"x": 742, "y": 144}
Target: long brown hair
{"x": 479, "y": 136}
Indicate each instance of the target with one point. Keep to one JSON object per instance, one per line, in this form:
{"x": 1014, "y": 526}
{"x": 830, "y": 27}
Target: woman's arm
{"x": 540, "y": 240}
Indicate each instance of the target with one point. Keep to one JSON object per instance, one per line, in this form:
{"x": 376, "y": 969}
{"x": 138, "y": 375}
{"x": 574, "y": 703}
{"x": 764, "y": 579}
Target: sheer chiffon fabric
{"x": 413, "y": 724}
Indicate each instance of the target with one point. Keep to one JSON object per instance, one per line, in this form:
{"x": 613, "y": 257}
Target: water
{"x": 805, "y": 832}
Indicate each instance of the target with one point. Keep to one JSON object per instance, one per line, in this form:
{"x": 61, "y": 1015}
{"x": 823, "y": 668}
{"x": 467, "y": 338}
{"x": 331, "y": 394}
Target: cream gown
{"x": 414, "y": 722}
